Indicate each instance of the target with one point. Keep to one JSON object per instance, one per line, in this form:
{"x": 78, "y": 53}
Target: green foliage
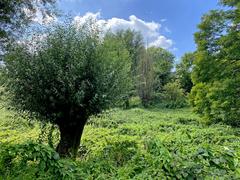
{"x": 70, "y": 68}
{"x": 229, "y": 2}
{"x": 183, "y": 71}
{"x": 217, "y": 101}
{"x": 141, "y": 144}
{"x": 162, "y": 66}
{"x": 66, "y": 77}
{"x": 120, "y": 152}
{"x": 133, "y": 43}
{"x": 35, "y": 160}
{"x": 216, "y": 74}
{"x": 21, "y": 154}
{"x": 154, "y": 71}
{"x": 15, "y": 14}
{"x": 173, "y": 96}
{"x": 145, "y": 81}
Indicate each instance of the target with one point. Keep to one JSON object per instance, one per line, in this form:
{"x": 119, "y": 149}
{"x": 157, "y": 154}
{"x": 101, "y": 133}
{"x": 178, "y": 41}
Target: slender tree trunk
{"x": 70, "y": 137}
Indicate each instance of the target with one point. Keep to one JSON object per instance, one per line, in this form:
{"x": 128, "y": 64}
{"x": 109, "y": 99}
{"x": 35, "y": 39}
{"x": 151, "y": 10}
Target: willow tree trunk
{"x": 70, "y": 137}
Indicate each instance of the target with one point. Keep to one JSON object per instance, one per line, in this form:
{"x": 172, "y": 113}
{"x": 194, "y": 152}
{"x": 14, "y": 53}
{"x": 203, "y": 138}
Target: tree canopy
{"x": 184, "y": 70}
{"x": 216, "y": 71}
{"x": 69, "y": 76}
{"x": 162, "y": 65}
{"x": 14, "y": 14}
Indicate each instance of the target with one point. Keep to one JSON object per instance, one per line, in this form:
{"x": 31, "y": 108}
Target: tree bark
{"x": 70, "y": 137}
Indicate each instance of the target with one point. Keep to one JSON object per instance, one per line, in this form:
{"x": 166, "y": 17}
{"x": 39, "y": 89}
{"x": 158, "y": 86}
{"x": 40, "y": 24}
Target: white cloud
{"x": 79, "y": 20}
{"x": 149, "y": 30}
{"x": 162, "y": 42}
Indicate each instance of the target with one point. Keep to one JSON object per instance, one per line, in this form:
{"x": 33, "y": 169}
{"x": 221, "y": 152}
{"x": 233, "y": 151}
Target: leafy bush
{"x": 184, "y": 70}
{"x": 32, "y": 160}
{"x": 173, "y": 96}
{"x": 217, "y": 102}
{"x": 205, "y": 162}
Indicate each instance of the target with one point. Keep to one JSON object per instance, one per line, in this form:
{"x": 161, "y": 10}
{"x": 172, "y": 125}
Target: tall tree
{"x": 69, "y": 76}
{"x": 145, "y": 78}
{"x": 216, "y": 72}
{"x": 162, "y": 65}
{"x": 133, "y": 42}
{"x": 183, "y": 71}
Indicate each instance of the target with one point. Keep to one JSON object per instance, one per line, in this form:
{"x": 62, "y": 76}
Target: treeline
{"x": 212, "y": 70}
{"x": 210, "y": 76}
{"x": 216, "y": 68}
{"x": 152, "y": 72}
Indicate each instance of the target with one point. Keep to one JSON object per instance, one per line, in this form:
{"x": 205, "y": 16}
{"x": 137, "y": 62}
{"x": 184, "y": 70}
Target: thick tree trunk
{"x": 70, "y": 137}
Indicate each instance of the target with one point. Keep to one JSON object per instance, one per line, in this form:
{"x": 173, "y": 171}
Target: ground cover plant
{"x": 124, "y": 144}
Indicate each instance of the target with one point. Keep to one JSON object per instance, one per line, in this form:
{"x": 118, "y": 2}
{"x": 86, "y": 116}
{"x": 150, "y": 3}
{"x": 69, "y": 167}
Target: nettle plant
{"x": 67, "y": 76}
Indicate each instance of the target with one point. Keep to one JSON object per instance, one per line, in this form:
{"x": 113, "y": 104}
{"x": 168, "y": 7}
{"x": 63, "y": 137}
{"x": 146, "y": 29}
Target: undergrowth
{"x": 123, "y": 144}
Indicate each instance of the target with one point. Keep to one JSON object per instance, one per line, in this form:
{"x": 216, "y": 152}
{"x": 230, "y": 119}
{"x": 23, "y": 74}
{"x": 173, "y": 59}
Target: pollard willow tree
{"x": 70, "y": 75}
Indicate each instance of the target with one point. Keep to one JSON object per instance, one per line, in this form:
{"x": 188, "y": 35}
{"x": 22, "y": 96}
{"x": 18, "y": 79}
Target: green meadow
{"x": 150, "y": 143}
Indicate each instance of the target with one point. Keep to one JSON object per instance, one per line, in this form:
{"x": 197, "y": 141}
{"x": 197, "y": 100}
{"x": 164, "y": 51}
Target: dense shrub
{"x": 173, "y": 96}
{"x": 217, "y": 102}
{"x": 32, "y": 160}
{"x": 162, "y": 61}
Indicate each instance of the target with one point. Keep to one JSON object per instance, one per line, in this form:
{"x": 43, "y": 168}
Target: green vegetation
{"x": 145, "y": 78}
{"x": 162, "y": 65}
{"x": 154, "y": 72}
{"x": 216, "y": 75}
{"x": 59, "y": 82}
{"x": 75, "y": 77}
{"x": 134, "y": 44}
{"x": 124, "y": 144}
{"x": 184, "y": 70}
{"x": 173, "y": 96}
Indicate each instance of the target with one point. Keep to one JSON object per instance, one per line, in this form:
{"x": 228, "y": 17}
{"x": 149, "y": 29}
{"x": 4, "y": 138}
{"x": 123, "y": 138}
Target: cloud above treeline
{"x": 150, "y": 30}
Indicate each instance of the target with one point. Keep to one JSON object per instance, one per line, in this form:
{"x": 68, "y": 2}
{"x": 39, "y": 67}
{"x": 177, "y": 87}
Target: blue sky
{"x": 171, "y": 22}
